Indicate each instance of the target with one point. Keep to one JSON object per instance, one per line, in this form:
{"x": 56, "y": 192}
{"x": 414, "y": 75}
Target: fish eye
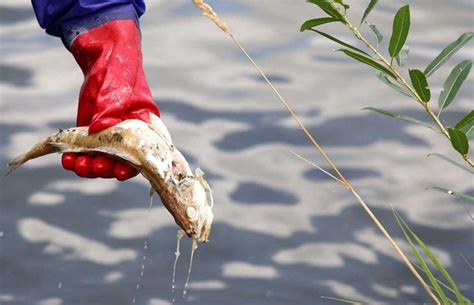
{"x": 191, "y": 212}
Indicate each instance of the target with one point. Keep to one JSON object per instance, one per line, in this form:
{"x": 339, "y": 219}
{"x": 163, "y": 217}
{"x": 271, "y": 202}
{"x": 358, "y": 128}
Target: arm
{"x": 104, "y": 38}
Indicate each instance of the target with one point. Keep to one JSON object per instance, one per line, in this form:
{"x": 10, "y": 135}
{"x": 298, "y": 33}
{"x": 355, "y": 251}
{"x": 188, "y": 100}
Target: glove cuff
{"x": 72, "y": 28}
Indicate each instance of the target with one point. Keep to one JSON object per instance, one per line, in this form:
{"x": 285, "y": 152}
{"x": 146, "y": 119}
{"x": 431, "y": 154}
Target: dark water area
{"x": 284, "y": 233}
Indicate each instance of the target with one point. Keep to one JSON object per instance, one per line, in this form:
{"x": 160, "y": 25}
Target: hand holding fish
{"x": 119, "y": 133}
{"x": 114, "y": 90}
{"x": 149, "y": 149}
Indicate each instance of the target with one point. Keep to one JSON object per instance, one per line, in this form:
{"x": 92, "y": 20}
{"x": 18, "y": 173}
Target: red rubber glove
{"x": 114, "y": 89}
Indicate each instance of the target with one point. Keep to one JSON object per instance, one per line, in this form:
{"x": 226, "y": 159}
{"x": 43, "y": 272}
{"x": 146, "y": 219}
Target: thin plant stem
{"x": 208, "y": 12}
{"x": 400, "y": 79}
{"x": 340, "y": 300}
{"x": 468, "y": 213}
{"x": 291, "y": 112}
{"x": 466, "y": 261}
{"x": 339, "y": 174}
{"x": 468, "y": 160}
{"x": 318, "y": 167}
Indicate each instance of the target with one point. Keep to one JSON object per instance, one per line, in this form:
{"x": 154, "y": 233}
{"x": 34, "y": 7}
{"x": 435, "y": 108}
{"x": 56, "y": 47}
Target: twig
{"x": 318, "y": 167}
{"x": 399, "y": 78}
{"x": 340, "y": 300}
{"x": 207, "y": 11}
{"x": 467, "y": 262}
{"x": 468, "y": 213}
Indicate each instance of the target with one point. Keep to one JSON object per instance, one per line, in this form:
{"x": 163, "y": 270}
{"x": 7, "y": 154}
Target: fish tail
{"x": 40, "y": 149}
{"x": 14, "y": 164}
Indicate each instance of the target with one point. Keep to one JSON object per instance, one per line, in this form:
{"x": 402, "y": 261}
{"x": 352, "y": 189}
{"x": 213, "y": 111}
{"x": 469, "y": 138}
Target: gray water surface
{"x": 283, "y": 233}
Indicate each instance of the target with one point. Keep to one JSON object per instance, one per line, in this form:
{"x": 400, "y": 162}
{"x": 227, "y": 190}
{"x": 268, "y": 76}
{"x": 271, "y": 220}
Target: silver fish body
{"x": 149, "y": 148}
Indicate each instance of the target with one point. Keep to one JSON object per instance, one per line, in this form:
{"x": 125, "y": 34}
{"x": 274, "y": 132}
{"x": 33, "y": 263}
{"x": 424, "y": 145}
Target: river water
{"x": 284, "y": 233}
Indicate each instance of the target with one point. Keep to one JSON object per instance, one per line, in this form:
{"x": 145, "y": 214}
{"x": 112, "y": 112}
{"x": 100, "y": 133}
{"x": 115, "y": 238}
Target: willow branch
{"x": 400, "y": 79}
{"x": 208, "y": 12}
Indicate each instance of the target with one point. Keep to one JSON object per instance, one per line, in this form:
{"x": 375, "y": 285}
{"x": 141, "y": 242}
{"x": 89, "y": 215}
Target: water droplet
{"x": 151, "y": 200}
{"x": 193, "y": 249}
{"x": 179, "y": 236}
{"x": 60, "y": 284}
{"x": 1, "y": 233}
{"x": 145, "y": 247}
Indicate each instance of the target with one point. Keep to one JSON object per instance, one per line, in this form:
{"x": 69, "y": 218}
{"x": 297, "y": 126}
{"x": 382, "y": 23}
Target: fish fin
{"x": 14, "y": 164}
{"x": 157, "y": 125}
{"x": 198, "y": 172}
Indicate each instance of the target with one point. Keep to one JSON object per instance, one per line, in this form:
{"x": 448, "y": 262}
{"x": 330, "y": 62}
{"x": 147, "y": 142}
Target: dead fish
{"x": 149, "y": 148}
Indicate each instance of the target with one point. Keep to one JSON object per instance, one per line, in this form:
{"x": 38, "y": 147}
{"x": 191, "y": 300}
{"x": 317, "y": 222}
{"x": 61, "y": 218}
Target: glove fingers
{"x": 82, "y": 167}
{"x": 103, "y": 167}
{"x": 68, "y": 160}
{"x": 92, "y": 166}
{"x": 124, "y": 171}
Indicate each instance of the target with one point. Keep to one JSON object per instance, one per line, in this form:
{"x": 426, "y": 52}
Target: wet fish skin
{"x": 149, "y": 148}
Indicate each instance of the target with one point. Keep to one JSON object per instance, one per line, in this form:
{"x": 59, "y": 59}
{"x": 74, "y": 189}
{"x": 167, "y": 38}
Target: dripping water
{"x": 145, "y": 249}
{"x": 179, "y": 236}
{"x": 152, "y": 193}
{"x": 193, "y": 249}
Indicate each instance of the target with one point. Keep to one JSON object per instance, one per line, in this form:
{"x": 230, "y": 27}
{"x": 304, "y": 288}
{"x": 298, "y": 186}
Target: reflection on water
{"x": 284, "y": 233}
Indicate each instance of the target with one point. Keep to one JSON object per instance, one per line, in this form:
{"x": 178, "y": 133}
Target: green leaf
{"x": 341, "y": 3}
{"x": 420, "y": 258}
{"x": 459, "y": 141}
{"x": 402, "y": 56}
{"x": 368, "y": 10}
{"x": 341, "y": 300}
{"x": 466, "y": 300}
{"x": 401, "y": 26}
{"x": 325, "y": 6}
{"x": 447, "y": 52}
{"x": 420, "y": 84}
{"x": 435, "y": 262}
{"x": 399, "y": 116}
{"x": 376, "y": 31}
{"x": 466, "y": 125}
{"x": 368, "y": 61}
{"x": 340, "y": 42}
{"x": 453, "y": 193}
{"x": 395, "y": 86}
{"x": 461, "y": 166}
{"x": 308, "y": 24}
{"x": 453, "y": 83}
{"x": 439, "y": 266}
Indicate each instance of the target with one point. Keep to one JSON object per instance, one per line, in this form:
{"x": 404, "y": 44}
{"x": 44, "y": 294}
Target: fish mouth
{"x": 206, "y": 231}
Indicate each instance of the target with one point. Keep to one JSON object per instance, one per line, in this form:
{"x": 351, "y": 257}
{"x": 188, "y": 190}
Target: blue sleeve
{"x": 63, "y": 18}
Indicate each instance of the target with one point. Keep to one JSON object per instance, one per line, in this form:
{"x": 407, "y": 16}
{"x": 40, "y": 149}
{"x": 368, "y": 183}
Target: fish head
{"x": 199, "y": 203}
